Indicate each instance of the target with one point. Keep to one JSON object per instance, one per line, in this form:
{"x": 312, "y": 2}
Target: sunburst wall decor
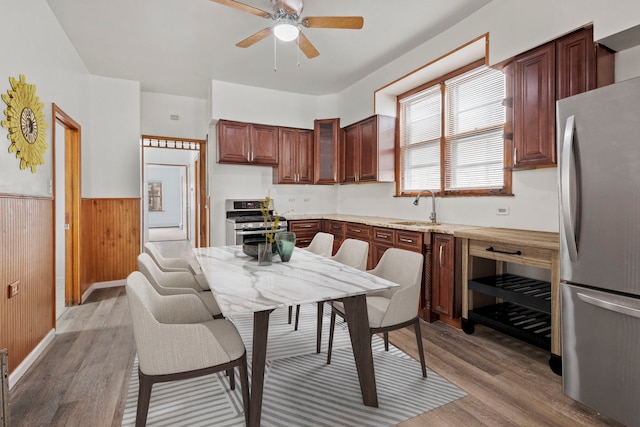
{"x": 25, "y": 121}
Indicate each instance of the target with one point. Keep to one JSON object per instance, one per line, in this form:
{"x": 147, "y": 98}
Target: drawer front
{"x": 360, "y": 231}
{"x": 410, "y": 240}
{"x": 336, "y": 227}
{"x": 306, "y": 226}
{"x": 506, "y": 252}
{"x": 384, "y": 235}
{"x": 304, "y": 239}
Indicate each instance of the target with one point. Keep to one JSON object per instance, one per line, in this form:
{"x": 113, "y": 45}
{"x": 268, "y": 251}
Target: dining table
{"x": 240, "y": 286}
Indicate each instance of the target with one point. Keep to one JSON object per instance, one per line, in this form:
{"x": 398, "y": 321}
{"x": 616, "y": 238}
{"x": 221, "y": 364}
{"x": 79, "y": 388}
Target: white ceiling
{"x": 178, "y": 46}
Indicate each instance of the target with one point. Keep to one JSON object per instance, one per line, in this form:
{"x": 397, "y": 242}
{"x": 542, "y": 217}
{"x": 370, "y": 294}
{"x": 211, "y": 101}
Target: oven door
{"x": 238, "y": 237}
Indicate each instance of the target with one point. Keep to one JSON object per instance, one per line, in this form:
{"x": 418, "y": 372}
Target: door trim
{"x": 72, "y": 143}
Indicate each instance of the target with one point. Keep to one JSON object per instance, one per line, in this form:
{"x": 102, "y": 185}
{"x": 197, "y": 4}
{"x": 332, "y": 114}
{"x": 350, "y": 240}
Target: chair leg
{"x": 319, "y": 327}
{"x": 295, "y": 328}
{"x": 420, "y": 349}
{"x": 386, "y": 340}
{"x": 244, "y": 385}
{"x": 332, "y": 325}
{"x": 144, "y": 395}
{"x": 231, "y": 373}
{"x": 290, "y": 313}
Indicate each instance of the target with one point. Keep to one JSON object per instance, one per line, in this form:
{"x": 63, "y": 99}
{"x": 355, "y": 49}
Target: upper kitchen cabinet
{"x": 247, "y": 143}
{"x": 326, "y": 148}
{"x": 567, "y": 66}
{"x": 295, "y": 165}
{"x": 368, "y": 150}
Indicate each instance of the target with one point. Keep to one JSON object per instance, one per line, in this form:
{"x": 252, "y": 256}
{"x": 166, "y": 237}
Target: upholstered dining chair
{"x": 321, "y": 244}
{"x": 176, "y": 282}
{"x": 186, "y": 263}
{"x": 177, "y": 339}
{"x": 353, "y": 253}
{"x": 393, "y": 308}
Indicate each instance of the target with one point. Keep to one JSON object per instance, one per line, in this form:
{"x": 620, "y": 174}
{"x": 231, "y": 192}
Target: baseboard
{"x": 20, "y": 370}
{"x": 101, "y": 285}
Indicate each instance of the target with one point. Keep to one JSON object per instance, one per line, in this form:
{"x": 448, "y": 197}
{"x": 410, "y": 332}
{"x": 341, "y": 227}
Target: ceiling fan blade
{"x": 346, "y": 22}
{"x": 254, "y": 38}
{"x": 244, "y": 7}
{"x": 307, "y": 47}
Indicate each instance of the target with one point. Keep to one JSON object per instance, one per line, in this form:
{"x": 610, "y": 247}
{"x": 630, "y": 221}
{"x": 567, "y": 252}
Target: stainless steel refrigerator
{"x": 599, "y": 180}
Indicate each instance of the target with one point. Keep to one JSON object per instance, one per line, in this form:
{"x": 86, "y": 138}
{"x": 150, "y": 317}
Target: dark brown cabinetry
{"x": 368, "y": 150}
{"x": 247, "y": 143}
{"x": 295, "y": 165}
{"x": 443, "y": 290}
{"x": 305, "y": 230}
{"x": 326, "y": 149}
{"x": 567, "y": 66}
{"x": 337, "y": 229}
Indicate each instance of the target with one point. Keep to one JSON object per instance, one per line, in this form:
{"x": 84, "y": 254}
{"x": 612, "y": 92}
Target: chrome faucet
{"x": 432, "y": 216}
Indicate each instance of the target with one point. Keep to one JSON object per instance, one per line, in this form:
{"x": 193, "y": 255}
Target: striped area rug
{"x": 300, "y": 388}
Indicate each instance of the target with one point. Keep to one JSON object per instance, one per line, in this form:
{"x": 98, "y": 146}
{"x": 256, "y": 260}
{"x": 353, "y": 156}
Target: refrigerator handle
{"x": 610, "y": 305}
{"x": 565, "y": 188}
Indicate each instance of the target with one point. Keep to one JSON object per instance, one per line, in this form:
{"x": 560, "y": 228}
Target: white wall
{"x": 46, "y": 58}
{"x": 111, "y": 153}
{"x": 156, "y": 110}
{"x": 173, "y": 178}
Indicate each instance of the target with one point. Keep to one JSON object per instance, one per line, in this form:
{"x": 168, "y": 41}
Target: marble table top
{"x": 240, "y": 285}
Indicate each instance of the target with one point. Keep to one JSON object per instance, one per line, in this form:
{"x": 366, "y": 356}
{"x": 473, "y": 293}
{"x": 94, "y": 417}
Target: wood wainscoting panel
{"x": 110, "y": 238}
{"x": 26, "y": 247}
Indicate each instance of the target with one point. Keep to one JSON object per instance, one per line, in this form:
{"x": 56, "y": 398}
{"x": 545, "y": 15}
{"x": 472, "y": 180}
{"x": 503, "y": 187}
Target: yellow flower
{"x": 270, "y": 220}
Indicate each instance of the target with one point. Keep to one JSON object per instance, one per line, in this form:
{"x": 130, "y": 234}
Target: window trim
{"x": 507, "y": 188}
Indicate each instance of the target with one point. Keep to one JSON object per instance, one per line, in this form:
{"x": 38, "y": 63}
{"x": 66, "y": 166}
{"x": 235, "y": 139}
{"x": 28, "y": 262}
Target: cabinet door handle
{"x": 515, "y": 156}
{"x": 305, "y": 226}
{"x": 402, "y": 239}
{"x": 440, "y": 256}
{"x": 491, "y": 249}
{"x": 383, "y": 236}
{"x": 355, "y": 230}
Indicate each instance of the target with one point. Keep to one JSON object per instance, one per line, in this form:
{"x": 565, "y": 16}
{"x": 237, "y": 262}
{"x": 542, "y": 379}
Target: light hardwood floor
{"x": 82, "y": 378}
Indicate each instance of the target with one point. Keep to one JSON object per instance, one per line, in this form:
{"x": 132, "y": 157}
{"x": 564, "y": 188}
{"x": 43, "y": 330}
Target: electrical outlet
{"x": 292, "y": 199}
{"x": 503, "y": 210}
{"x": 14, "y": 288}
{"x": 307, "y": 199}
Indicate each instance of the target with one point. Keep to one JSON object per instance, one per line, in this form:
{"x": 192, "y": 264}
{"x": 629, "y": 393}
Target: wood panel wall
{"x": 27, "y": 255}
{"x": 110, "y": 235}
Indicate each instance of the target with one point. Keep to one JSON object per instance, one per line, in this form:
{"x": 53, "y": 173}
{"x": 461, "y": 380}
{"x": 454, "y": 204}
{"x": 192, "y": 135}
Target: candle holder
{"x": 285, "y": 242}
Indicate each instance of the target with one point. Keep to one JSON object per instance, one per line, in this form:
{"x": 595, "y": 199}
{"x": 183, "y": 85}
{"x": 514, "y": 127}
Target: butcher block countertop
{"x": 537, "y": 239}
{"x": 533, "y": 239}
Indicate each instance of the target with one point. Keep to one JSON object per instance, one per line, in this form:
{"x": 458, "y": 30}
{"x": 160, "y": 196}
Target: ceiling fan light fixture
{"x": 286, "y": 31}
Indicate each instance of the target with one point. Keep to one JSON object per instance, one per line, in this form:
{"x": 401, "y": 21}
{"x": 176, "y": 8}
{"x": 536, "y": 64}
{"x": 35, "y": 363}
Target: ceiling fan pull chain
{"x": 298, "y": 43}
{"x": 275, "y": 56}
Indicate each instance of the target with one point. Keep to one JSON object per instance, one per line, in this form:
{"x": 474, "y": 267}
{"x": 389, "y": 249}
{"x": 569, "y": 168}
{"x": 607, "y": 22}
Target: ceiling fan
{"x": 288, "y": 23}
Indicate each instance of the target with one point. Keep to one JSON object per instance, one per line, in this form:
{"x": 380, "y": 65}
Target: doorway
{"x": 66, "y": 193}
{"x": 175, "y": 202}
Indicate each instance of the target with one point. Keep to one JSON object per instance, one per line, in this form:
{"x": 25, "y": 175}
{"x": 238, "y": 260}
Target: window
{"x": 451, "y": 134}
{"x": 155, "y": 196}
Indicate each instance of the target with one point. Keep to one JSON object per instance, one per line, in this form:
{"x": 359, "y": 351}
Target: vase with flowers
{"x": 271, "y": 219}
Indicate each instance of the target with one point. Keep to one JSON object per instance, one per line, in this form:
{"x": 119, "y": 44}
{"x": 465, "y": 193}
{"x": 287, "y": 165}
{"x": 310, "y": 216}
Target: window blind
{"x": 475, "y": 116}
{"x": 420, "y": 133}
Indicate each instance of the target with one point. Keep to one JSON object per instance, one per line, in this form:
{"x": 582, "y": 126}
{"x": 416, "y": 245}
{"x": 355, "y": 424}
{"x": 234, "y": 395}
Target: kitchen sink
{"x": 417, "y": 223}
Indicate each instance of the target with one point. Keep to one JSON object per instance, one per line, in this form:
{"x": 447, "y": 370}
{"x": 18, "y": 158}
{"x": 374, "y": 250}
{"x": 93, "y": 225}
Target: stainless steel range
{"x": 245, "y": 221}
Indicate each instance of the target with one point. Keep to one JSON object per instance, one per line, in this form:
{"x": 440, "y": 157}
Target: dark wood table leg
{"x": 258, "y": 358}
{"x": 356, "y": 315}
{"x": 319, "y": 326}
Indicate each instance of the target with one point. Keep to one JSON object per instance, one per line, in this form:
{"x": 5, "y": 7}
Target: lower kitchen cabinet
{"x": 360, "y": 232}
{"x": 305, "y": 230}
{"x": 337, "y": 229}
{"x": 446, "y": 301}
